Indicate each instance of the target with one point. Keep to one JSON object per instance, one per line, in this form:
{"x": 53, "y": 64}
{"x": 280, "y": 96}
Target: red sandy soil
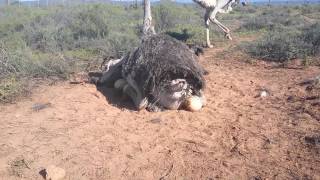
{"x": 238, "y": 135}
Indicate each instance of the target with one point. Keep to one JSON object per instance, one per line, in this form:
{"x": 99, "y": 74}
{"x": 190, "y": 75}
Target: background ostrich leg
{"x": 207, "y": 21}
{"x": 221, "y": 26}
{"x": 214, "y": 20}
{"x": 147, "y": 22}
{"x": 210, "y": 15}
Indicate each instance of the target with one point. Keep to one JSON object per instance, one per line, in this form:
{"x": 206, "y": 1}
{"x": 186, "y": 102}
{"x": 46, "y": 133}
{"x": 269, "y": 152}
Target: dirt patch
{"x": 238, "y": 134}
{"x": 17, "y": 166}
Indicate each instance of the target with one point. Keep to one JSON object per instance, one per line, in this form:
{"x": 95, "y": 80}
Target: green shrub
{"x": 23, "y": 62}
{"x": 256, "y": 24}
{"x": 19, "y": 66}
{"x": 275, "y": 47}
{"x": 165, "y": 18}
{"x": 283, "y": 45}
{"x": 60, "y": 31}
{"x": 273, "y": 18}
{"x": 168, "y": 15}
{"x": 10, "y": 88}
{"x": 311, "y": 35}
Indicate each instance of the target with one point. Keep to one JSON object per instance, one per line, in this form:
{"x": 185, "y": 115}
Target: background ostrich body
{"x": 212, "y": 3}
{"x": 212, "y": 8}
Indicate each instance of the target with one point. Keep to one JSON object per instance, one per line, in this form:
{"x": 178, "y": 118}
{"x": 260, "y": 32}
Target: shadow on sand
{"x": 116, "y": 98}
{"x": 113, "y": 96}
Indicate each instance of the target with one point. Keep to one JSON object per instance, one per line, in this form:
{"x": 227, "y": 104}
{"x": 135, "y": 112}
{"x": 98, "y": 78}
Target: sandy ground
{"x": 238, "y": 135}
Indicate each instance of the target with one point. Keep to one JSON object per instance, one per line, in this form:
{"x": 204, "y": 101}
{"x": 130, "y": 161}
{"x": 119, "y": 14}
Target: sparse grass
{"x": 311, "y": 35}
{"x": 277, "y": 46}
{"x": 169, "y": 15}
{"x": 10, "y": 87}
{"x": 269, "y": 19}
{"x": 56, "y": 41}
{"x": 19, "y": 66}
{"x": 286, "y": 44}
{"x": 287, "y": 33}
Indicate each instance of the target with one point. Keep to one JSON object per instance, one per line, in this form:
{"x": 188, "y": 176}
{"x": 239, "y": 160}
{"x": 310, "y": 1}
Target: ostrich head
{"x": 177, "y": 94}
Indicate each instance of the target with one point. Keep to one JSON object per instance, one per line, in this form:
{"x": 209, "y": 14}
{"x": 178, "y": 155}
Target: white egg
{"x": 194, "y": 103}
{"x": 55, "y": 173}
{"x": 120, "y": 83}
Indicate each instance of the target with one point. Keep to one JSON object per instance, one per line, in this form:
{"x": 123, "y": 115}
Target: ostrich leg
{"x": 214, "y": 20}
{"x": 207, "y": 21}
{"x": 135, "y": 94}
{"x": 224, "y": 28}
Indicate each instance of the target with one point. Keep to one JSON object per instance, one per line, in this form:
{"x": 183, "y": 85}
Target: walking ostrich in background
{"x": 212, "y": 8}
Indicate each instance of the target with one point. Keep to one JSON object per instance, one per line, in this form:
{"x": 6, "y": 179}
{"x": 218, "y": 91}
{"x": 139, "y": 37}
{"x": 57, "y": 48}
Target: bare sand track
{"x": 238, "y": 135}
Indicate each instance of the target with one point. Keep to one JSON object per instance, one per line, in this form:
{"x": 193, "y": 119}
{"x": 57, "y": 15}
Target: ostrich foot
{"x": 209, "y": 45}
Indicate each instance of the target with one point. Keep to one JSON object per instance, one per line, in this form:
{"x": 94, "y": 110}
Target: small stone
{"x": 55, "y": 173}
{"x": 263, "y": 94}
{"x": 40, "y": 106}
{"x": 155, "y": 121}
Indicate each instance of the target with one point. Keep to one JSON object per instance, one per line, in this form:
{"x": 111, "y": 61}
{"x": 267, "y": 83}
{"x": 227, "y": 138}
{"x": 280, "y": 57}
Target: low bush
{"x": 168, "y": 15}
{"x": 278, "y": 46}
{"x": 284, "y": 44}
{"x": 270, "y": 19}
{"x": 311, "y": 35}
{"x": 19, "y": 66}
{"x": 10, "y": 88}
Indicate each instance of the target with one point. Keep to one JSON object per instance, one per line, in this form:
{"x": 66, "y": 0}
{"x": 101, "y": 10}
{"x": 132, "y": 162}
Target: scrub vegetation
{"x": 53, "y": 42}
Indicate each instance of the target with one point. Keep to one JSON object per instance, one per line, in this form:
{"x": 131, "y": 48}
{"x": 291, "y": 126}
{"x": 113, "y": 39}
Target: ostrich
{"x": 161, "y": 73}
{"x": 213, "y": 7}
